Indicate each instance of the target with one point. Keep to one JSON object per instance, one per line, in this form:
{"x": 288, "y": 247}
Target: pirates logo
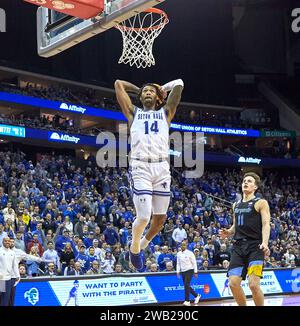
{"x": 32, "y": 296}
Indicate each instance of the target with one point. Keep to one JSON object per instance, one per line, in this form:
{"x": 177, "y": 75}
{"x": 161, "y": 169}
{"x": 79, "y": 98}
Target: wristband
{"x": 170, "y": 85}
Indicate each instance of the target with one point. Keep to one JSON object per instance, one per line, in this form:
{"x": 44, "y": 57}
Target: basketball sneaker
{"x": 197, "y": 299}
{"x": 186, "y": 303}
{"x": 136, "y": 260}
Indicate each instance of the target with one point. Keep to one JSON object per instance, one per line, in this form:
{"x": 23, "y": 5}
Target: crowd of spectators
{"x": 87, "y": 96}
{"x": 223, "y": 119}
{"x": 78, "y": 220}
{"x": 81, "y": 96}
{"x": 56, "y": 122}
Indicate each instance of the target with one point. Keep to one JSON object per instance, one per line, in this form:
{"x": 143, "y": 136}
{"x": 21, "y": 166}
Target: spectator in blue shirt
{"x": 33, "y": 266}
{"x": 101, "y": 210}
{"x": 62, "y": 240}
{"x": 40, "y": 232}
{"x": 128, "y": 215}
{"x": 164, "y": 257}
{"x": 273, "y": 233}
{"x": 3, "y": 198}
{"x": 48, "y": 210}
{"x": 70, "y": 212}
{"x": 41, "y": 201}
{"x": 110, "y": 234}
{"x": 92, "y": 256}
{"x": 187, "y": 219}
{"x": 83, "y": 259}
{"x": 89, "y": 240}
{"x": 124, "y": 233}
{"x": 199, "y": 258}
{"x": 171, "y": 213}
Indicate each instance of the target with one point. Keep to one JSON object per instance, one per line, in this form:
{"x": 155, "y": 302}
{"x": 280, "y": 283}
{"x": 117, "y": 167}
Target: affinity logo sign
{"x": 296, "y": 22}
{"x": 2, "y": 20}
{"x": 55, "y": 136}
{"x": 71, "y": 107}
{"x": 251, "y": 160}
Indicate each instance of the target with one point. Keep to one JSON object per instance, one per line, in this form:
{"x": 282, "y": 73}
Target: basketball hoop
{"x": 139, "y": 33}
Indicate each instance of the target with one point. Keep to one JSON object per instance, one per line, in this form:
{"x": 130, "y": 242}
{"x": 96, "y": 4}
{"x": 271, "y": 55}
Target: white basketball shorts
{"x": 152, "y": 182}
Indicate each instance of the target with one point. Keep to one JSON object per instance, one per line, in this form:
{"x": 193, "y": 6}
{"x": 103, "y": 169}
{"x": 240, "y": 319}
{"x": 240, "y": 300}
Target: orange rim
{"x": 153, "y": 10}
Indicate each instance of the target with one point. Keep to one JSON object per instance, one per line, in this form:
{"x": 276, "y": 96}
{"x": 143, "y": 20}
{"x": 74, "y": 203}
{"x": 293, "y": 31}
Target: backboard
{"x": 57, "y": 32}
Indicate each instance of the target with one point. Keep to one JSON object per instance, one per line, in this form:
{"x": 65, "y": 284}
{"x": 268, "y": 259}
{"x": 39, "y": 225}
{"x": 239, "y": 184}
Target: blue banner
{"x": 61, "y": 106}
{"x": 216, "y": 130}
{"x": 142, "y": 288}
{"x": 289, "y": 280}
{"x": 107, "y": 114}
{"x": 169, "y": 289}
{"x": 81, "y": 140}
{"x": 238, "y": 161}
{"x": 61, "y": 137}
{"x": 13, "y": 131}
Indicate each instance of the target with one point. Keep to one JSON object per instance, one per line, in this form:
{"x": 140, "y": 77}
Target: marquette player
{"x": 251, "y": 230}
{"x": 149, "y": 166}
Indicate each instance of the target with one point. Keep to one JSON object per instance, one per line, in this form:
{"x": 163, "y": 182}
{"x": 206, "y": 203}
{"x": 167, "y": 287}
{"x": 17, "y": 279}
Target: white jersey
{"x": 149, "y": 134}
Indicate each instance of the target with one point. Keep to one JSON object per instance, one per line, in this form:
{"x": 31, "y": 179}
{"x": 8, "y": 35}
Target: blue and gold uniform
{"x": 247, "y": 257}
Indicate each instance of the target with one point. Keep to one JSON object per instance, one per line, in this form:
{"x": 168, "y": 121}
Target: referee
{"x": 187, "y": 266}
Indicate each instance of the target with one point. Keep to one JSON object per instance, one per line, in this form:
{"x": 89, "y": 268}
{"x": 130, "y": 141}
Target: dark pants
{"x": 13, "y": 292}
{"x": 187, "y": 277}
{"x": 5, "y": 296}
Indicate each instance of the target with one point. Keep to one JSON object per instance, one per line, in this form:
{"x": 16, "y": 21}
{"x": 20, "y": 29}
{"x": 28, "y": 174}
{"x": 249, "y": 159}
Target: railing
{"x": 225, "y": 202}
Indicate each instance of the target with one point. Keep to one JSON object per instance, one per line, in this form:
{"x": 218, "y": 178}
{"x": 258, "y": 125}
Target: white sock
{"x": 144, "y": 243}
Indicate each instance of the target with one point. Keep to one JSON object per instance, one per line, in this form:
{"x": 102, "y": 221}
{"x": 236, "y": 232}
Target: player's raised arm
{"x": 122, "y": 88}
{"x": 176, "y": 87}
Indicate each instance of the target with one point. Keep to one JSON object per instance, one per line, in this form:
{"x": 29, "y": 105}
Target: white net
{"x": 139, "y": 33}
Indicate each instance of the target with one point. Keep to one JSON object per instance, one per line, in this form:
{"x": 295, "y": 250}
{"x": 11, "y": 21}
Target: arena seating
{"x": 55, "y": 201}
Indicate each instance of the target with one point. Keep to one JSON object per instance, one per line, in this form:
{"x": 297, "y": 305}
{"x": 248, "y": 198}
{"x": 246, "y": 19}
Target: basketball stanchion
{"x": 139, "y": 33}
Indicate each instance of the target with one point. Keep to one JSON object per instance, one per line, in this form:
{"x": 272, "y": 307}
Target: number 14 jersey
{"x": 149, "y": 134}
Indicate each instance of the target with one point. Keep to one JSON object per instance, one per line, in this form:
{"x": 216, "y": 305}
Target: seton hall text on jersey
{"x": 148, "y": 116}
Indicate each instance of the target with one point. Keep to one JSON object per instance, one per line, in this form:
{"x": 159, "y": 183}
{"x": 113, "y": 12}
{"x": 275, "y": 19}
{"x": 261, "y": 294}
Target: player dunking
{"x": 149, "y": 166}
{"x": 251, "y": 230}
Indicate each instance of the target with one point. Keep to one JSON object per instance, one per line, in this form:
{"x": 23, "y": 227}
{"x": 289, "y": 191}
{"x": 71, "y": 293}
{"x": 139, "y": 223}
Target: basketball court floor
{"x": 278, "y": 300}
